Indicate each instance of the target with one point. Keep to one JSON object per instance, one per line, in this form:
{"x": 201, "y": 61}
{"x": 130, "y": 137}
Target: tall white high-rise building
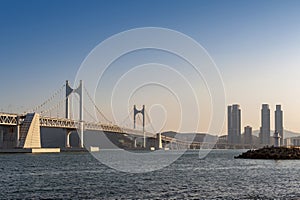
{"x": 279, "y": 123}
{"x": 234, "y": 124}
{"x": 264, "y": 134}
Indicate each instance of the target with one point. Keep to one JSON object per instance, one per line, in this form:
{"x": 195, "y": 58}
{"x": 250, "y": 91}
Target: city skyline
{"x": 254, "y": 47}
{"x": 265, "y": 135}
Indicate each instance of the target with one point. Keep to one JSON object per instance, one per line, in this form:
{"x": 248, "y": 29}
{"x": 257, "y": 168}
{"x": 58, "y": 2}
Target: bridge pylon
{"x": 79, "y": 91}
{"x": 135, "y": 112}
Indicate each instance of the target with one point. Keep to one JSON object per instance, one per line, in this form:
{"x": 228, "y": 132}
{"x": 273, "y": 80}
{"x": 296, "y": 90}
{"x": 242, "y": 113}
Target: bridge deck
{"x": 52, "y": 122}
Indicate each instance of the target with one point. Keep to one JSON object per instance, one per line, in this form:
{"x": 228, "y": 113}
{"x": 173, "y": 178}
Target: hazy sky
{"x": 255, "y": 44}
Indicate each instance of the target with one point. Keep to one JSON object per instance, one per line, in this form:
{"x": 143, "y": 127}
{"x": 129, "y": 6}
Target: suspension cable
{"x": 86, "y": 111}
{"x": 127, "y": 117}
{"x": 148, "y": 117}
{"x": 54, "y": 107}
{"x": 48, "y": 100}
{"x": 94, "y": 104}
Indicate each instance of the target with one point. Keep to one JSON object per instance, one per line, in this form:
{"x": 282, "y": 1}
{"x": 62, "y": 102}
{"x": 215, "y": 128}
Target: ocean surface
{"x": 81, "y": 176}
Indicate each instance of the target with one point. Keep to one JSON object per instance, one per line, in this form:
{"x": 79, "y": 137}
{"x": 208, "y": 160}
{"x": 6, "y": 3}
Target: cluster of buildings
{"x": 234, "y": 135}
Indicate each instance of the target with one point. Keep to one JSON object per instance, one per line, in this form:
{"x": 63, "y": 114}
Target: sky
{"x": 254, "y": 44}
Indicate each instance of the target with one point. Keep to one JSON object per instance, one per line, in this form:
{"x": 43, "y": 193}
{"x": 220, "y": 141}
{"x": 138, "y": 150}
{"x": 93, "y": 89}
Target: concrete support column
{"x": 68, "y": 133}
{"x": 81, "y": 135}
{"x": 18, "y": 132}
{"x": 1, "y": 138}
{"x": 134, "y": 142}
{"x": 159, "y": 141}
{"x": 144, "y": 126}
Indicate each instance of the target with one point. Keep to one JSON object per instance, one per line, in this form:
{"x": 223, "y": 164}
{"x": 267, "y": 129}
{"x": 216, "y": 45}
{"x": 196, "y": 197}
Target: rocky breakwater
{"x": 271, "y": 153}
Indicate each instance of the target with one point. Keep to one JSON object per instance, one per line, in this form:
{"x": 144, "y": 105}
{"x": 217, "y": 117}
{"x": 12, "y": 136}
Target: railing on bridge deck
{"x": 58, "y": 123}
{"x": 72, "y": 124}
{"x": 8, "y": 119}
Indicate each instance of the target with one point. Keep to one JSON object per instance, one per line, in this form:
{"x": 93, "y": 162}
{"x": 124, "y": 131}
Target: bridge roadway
{"x": 51, "y": 122}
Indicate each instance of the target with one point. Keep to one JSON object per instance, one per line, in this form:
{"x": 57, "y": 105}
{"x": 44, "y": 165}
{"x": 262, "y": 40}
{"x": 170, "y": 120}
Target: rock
{"x": 275, "y": 153}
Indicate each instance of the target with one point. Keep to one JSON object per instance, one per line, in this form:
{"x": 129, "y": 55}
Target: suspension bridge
{"x": 27, "y": 125}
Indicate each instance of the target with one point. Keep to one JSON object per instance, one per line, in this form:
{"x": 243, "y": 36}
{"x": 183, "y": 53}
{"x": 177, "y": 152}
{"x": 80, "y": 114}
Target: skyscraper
{"x": 229, "y": 132}
{"x": 264, "y": 134}
{"x": 279, "y": 123}
{"x": 248, "y": 135}
{"x": 234, "y": 124}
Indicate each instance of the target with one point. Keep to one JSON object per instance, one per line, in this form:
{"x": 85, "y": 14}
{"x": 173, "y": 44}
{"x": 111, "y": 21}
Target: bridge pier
{"x": 18, "y": 131}
{"x": 135, "y": 142}
{"x": 68, "y": 133}
{"x": 1, "y": 138}
{"x": 158, "y": 141}
{"x": 81, "y": 135}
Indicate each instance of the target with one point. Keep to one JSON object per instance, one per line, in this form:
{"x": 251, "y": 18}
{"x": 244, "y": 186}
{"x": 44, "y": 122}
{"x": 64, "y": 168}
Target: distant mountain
{"x": 200, "y": 137}
{"x": 286, "y": 133}
{"x": 196, "y": 137}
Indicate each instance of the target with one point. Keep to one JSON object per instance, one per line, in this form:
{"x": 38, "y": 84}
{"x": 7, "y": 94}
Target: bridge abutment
{"x": 30, "y": 136}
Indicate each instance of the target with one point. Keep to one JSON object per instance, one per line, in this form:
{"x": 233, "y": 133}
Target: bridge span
{"x": 23, "y": 121}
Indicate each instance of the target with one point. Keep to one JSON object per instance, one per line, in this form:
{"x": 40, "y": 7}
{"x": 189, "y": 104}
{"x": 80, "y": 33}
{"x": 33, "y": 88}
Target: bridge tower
{"x": 79, "y": 91}
{"x": 135, "y": 112}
